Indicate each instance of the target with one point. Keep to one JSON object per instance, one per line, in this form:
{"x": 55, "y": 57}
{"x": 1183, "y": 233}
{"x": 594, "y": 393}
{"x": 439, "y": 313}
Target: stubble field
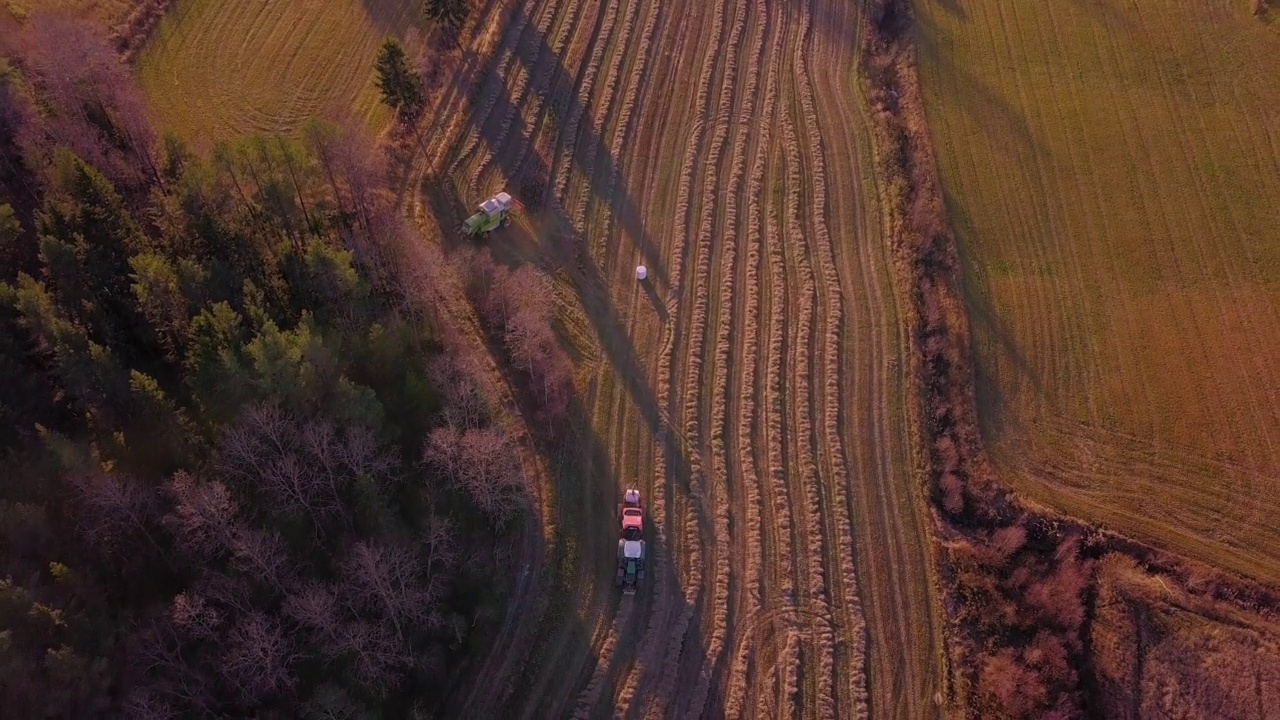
{"x": 1111, "y": 171}
{"x": 752, "y": 389}
{"x": 218, "y": 69}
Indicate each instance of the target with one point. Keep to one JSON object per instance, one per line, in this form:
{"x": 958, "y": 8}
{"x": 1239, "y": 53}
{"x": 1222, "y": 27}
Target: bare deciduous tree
{"x": 115, "y": 507}
{"x": 304, "y": 467}
{"x": 468, "y": 401}
{"x": 315, "y": 607}
{"x": 195, "y": 616}
{"x": 145, "y": 703}
{"x": 378, "y": 657}
{"x": 485, "y": 463}
{"x": 156, "y": 659}
{"x": 203, "y": 517}
{"x": 388, "y": 579}
{"x": 257, "y": 658}
{"x": 262, "y": 554}
{"x": 441, "y": 544}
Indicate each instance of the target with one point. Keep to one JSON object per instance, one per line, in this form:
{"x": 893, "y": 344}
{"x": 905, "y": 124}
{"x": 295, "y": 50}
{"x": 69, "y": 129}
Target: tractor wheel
{"x": 506, "y": 221}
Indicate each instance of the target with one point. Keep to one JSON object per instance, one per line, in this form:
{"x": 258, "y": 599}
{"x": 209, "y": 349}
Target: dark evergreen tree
{"x": 450, "y": 12}
{"x": 400, "y": 84}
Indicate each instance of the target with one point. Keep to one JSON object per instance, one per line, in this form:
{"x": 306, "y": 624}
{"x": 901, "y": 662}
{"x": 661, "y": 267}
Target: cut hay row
{"x": 616, "y": 55}
{"x": 899, "y": 639}
{"x": 774, "y": 413}
{"x": 637, "y": 69}
{"x": 713, "y": 496}
{"x": 850, "y": 680}
{"x": 1128, "y": 291}
{"x": 747, "y": 385}
{"x": 804, "y": 475}
{"x": 788, "y": 697}
{"x": 692, "y": 372}
{"x": 651, "y": 649}
{"x": 494, "y": 87}
{"x": 565, "y": 25}
{"x": 723, "y": 367}
{"x": 572, "y": 132}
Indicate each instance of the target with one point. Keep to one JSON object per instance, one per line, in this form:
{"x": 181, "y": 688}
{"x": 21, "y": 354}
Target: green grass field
{"x": 1113, "y": 173}
{"x": 216, "y": 69}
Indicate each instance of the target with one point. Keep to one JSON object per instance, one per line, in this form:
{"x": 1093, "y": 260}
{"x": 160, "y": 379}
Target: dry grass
{"x": 107, "y": 13}
{"x": 1111, "y": 171}
{"x": 216, "y": 69}
{"x": 1159, "y": 652}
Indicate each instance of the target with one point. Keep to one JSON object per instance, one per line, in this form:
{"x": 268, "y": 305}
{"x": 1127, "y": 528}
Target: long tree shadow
{"x": 564, "y": 249}
{"x": 565, "y": 253}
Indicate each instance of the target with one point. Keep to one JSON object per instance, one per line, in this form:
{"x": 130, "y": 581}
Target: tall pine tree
{"x": 401, "y": 85}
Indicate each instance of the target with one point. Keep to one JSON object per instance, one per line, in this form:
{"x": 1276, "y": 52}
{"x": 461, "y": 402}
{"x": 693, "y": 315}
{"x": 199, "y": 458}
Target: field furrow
{"x": 1111, "y": 196}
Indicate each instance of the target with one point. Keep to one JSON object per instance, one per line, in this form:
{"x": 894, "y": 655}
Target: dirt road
{"x": 751, "y": 387}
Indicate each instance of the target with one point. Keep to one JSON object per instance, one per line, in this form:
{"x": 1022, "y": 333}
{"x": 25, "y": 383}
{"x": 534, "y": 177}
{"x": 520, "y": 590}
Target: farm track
{"x": 749, "y": 388}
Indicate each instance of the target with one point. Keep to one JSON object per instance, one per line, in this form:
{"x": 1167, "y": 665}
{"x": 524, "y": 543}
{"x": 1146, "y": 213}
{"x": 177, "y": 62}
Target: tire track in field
{"x": 868, "y": 437}
{"x": 779, "y": 304}
{"x": 848, "y": 651}
{"x": 840, "y": 679}
{"x": 610, "y": 659}
{"x": 652, "y": 659}
{"x": 706, "y": 524}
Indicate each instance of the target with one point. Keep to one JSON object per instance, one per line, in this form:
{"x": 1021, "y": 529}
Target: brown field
{"x": 752, "y": 389}
{"x": 219, "y": 69}
{"x": 1111, "y": 170}
{"x": 108, "y": 13}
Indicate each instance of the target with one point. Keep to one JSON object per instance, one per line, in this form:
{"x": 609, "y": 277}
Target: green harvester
{"x": 497, "y": 210}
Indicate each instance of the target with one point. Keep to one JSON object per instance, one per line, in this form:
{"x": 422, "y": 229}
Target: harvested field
{"x": 1111, "y": 170}
{"x": 218, "y": 69}
{"x": 109, "y": 13}
{"x": 752, "y": 388}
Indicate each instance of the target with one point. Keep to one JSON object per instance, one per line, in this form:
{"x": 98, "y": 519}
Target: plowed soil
{"x": 751, "y": 388}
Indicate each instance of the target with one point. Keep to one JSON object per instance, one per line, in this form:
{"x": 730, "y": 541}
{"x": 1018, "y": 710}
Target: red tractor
{"x": 630, "y": 545}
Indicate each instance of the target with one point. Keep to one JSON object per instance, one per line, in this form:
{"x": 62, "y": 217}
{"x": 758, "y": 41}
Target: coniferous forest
{"x": 242, "y": 475}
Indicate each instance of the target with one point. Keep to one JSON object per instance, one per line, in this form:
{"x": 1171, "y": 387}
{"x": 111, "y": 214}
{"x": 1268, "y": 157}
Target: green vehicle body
{"x": 492, "y": 213}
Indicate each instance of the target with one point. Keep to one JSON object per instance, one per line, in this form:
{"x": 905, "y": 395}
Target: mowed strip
{"x": 1111, "y": 170}
{"x": 219, "y": 69}
{"x": 723, "y": 386}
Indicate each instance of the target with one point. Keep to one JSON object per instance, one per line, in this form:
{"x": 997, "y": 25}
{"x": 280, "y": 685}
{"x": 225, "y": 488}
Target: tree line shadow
{"x": 564, "y": 252}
